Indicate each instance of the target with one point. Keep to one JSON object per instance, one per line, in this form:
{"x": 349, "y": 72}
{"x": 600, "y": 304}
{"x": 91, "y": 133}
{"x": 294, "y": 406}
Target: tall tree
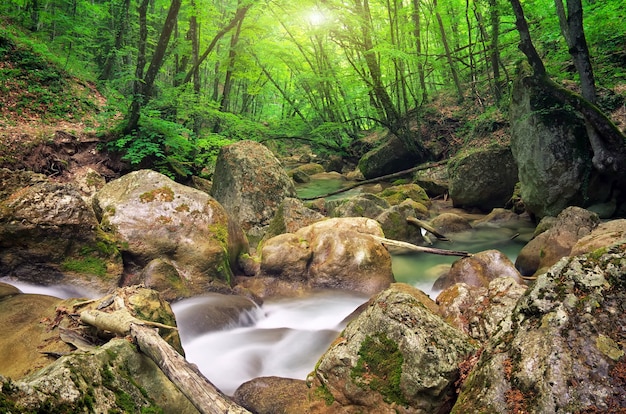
{"x": 143, "y": 86}
{"x": 449, "y": 57}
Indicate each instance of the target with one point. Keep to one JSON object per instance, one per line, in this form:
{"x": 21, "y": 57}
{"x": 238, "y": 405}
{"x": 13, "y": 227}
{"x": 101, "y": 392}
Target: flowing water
{"x": 286, "y": 337}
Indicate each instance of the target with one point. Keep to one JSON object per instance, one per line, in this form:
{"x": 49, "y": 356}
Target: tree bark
{"x": 196, "y": 387}
{"x": 444, "y": 40}
{"x": 526, "y": 44}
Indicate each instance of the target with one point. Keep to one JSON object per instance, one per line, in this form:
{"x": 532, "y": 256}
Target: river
{"x": 286, "y": 337}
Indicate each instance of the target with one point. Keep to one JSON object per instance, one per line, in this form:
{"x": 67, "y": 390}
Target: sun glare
{"x": 316, "y": 18}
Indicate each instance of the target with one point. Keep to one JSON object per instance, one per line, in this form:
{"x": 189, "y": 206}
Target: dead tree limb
{"x": 432, "y": 250}
{"x": 427, "y": 227}
{"x": 377, "y": 179}
{"x": 196, "y": 387}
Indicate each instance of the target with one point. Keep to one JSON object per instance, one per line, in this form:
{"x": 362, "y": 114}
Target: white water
{"x": 286, "y": 339}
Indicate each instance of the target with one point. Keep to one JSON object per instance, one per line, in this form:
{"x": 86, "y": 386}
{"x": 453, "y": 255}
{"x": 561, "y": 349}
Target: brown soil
{"x": 56, "y": 148}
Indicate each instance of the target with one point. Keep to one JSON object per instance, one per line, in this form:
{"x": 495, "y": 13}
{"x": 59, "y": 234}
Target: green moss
{"x": 380, "y": 367}
{"x": 86, "y": 265}
{"x": 124, "y": 401}
{"x": 159, "y": 194}
{"x": 322, "y": 392}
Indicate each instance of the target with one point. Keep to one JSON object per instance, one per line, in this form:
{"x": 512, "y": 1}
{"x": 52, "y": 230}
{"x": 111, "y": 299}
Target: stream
{"x": 286, "y": 337}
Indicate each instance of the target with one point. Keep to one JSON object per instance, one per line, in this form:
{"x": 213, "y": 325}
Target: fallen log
{"x": 377, "y": 179}
{"x": 427, "y": 227}
{"x": 432, "y": 250}
{"x": 190, "y": 381}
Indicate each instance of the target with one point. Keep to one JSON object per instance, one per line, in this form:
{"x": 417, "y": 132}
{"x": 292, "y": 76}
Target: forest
{"x": 182, "y": 79}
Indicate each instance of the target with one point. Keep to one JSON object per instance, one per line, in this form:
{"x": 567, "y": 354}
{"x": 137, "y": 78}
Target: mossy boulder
{"x": 250, "y": 183}
{"x": 396, "y": 355}
{"x": 153, "y": 217}
{"x": 49, "y": 234}
{"x": 483, "y": 178}
{"x": 361, "y": 205}
{"x": 561, "y": 350}
{"x": 398, "y": 193}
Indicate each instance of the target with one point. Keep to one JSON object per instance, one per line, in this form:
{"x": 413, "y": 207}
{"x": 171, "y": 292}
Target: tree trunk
{"x": 111, "y": 58}
{"x": 197, "y": 388}
{"x": 418, "y": 48}
{"x": 494, "y": 17}
{"x": 572, "y": 29}
{"x": 239, "y": 15}
{"x": 526, "y": 44}
{"x": 444, "y": 40}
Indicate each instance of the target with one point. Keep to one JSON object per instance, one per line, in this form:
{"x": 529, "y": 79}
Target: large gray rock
{"x": 551, "y": 148}
{"x": 562, "y": 350}
{"x": 548, "y": 247}
{"x": 251, "y": 184}
{"x": 48, "y": 234}
{"x": 389, "y": 157}
{"x": 336, "y": 253}
{"x": 484, "y": 179}
{"x": 154, "y": 217}
{"x": 396, "y": 356}
{"x": 112, "y": 378}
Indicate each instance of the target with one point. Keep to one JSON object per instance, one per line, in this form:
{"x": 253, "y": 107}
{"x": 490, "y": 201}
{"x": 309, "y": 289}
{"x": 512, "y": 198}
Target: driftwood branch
{"x": 377, "y": 179}
{"x": 432, "y": 250}
{"x": 196, "y": 387}
{"x": 427, "y": 227}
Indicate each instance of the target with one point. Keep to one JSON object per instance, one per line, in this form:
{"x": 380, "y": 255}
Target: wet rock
{"x": 479, "y": 270}
{"x": 548, "y": 247}
{"x": 251, "y": 184}
{"x": 154, "y": 217}
{"x": 111, "y": 378}
{"x": 484, "y": 179}
{"x": 562, "y": 348}
{"x": 215, "y": 311}
{"x": 272, "y": 395}
{"x": 48, "y": 234}
{"x": 309, "y": 169}
{"x": 396, "y": 356}
{"x": 478, "y": 311}
{"x": 331, "y": 254}
{"x": 446, "y": 223}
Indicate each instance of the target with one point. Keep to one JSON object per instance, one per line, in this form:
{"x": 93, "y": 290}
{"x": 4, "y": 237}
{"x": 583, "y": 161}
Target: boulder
{"x": 387, "y": 158}
{"x": 291, "y": 216}
{"x": 48, "y": 234}
{"x": 548, "y": 247}
{"x": 112, "y": 378}
{"x": 398, "y": 193}
{"x": 479, "y": 270}
{"x": 396, "y": 356}
{"x": 153, "y": 217}
{"x": 395, "y": 226}
{"x": 550, "y": 145}
{"x": 606, "y": 234}
{"x": 434, "y": 180}
{"x": 446, "y": 223}
{"x": 272, "y": 395}
{"x": 562, "y": 348}
{"x": 484, "y": 179}
{"x": 362, "y": 205}
{"x": 478, "y": 311}
{"x": 251, "y": 184}
{"x": 336, "y": 253}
